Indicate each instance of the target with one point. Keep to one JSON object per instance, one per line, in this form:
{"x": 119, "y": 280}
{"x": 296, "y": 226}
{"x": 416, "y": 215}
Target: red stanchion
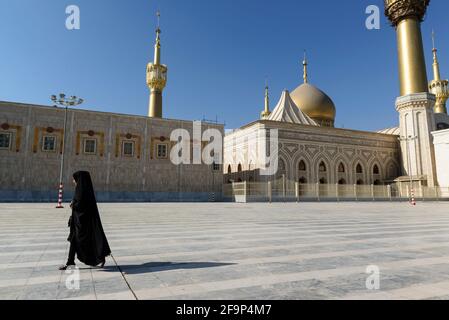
{"x": 413, "y": 202}
{"x": 61, "y": 188}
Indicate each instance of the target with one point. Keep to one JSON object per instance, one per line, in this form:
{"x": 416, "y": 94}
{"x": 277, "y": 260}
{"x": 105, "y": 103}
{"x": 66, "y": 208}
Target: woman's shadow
{"x": 163, "y": 266}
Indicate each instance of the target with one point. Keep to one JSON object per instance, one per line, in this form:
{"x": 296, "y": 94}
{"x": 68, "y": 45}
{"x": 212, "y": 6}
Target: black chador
{"x": 87, "y": 238}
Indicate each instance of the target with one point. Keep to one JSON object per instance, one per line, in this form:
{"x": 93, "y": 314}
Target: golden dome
{"x": 315, "y": 103}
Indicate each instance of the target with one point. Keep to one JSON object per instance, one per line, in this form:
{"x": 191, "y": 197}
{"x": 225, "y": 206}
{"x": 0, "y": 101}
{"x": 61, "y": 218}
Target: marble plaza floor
{"x": 233, "y": 251}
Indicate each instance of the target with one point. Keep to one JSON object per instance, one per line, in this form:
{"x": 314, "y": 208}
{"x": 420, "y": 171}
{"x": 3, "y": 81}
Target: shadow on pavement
{"x": 163, "y": 266}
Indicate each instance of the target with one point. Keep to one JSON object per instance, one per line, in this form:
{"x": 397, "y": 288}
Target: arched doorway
{"x": 302, "y": 186}
{"x": 323, "y": 187}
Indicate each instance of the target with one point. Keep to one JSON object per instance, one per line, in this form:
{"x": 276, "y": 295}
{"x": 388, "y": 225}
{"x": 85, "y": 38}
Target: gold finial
{"x": 266, "y": 113}
{"x": 267, "y": 98}
{"x": 158, "y": 29}
{"x": 436, "y": 65}
{"x": 157, "y": 46}
{"x": 433, "y": 38}
{"x": 304, "y": 64}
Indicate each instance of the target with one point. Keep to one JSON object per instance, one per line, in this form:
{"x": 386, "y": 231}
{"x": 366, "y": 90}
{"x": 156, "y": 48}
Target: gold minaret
{"x": 415, "y": 104}
{"x": 406, "y": 16}
{"x": 266, "y": 113}
{"x": 437, "y": 86}
{"x": 156, "y": 77}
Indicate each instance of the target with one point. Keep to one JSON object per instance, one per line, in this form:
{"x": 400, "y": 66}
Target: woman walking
{"x": 87, "y": 238}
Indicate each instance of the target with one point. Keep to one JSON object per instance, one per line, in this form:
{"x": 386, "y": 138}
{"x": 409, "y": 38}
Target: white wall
{"x": 441, "y": 142}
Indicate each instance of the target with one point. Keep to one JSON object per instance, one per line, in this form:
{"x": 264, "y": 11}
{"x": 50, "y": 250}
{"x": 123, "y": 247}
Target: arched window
{"x": 239, "y": 168}
{"x": 302, "y": 166}
{"x": 229, "y": 169}
{"x": 359, "y": 168}
{"x": 342, "y": 181}
{"x": 341, "y": 168}
{"x": 323, "y": 181}
{"x": 360, "y": 182}
{"x": 376, "y": 169}
{"x": 322, "y": 167}
{"x": 302, "y": 180}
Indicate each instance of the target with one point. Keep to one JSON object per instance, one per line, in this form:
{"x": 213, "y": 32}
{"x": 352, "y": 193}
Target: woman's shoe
{"x": 66, "y": 266}
{"x": 102, "y": 263}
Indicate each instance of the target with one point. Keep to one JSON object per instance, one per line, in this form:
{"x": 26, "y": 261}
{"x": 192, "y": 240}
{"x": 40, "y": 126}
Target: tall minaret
{"x": 266, "y": 113}
{"x": 415, "y": 105}
{"x": 156, "y": 77}
{"x": 437, "y": 86}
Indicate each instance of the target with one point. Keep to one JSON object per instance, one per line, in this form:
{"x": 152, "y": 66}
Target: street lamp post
{"x": 66, "y": 103}
{"x": 409, "y": 162}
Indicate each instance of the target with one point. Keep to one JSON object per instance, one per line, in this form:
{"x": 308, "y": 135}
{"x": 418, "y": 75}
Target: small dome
{"x": 287, "y": 111}
{"x": 315, "y": 103}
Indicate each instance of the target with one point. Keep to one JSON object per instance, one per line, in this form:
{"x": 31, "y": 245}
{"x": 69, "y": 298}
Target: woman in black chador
{"x": 87, "y": 238}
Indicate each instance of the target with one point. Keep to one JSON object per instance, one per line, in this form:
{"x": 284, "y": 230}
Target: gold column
{"x": 406, "y": 16}
{"x": 155, "y": 104}
{"x": 412, "y": 66}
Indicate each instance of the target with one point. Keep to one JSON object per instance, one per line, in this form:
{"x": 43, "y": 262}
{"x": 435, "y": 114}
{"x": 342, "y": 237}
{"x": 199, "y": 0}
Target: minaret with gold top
{"x": 266, "y": 113}
{"x": 156, "y": 78}
{"x": 415, "y": 105}
{"x": 438, "y": 86}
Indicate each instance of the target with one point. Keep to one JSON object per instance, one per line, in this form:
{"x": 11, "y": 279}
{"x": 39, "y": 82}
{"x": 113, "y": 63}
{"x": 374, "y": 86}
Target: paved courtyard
{"x": 233, "y": 251}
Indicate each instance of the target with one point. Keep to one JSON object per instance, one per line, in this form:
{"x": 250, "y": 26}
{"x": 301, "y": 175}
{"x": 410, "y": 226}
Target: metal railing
{"x": 287, "y": 190}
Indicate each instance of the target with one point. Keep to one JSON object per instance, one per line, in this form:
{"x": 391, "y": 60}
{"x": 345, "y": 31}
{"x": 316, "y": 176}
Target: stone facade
{"x": 128, "y": 156}
{"x": 441, "y": 142}
{"x": 416, "y": 122}
{"x": 311, "y": 154}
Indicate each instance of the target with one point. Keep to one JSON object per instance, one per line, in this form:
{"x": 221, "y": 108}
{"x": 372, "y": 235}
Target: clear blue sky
{"x": 219, "y": 53}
